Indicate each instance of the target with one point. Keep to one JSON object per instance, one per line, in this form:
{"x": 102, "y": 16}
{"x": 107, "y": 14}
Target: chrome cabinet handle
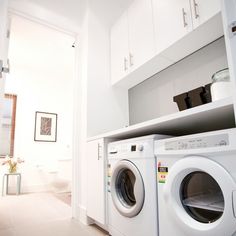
{"x": 4, "y": 69}
{"x": 131, "y": 63}
{"x": 195, "y": 5}
{"x": 125, "y": 64}
{"x": 184, "y": 18}
{"x": 99, "y": 148}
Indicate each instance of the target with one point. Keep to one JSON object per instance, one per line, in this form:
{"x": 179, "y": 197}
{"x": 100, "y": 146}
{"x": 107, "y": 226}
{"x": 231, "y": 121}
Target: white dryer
{"x": 132, "y": 198}
{"x": 197, "y": 184}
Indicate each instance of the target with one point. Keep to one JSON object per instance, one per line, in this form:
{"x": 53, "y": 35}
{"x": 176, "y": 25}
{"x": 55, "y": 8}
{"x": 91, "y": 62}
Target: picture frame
{"x": 45, "y": 127}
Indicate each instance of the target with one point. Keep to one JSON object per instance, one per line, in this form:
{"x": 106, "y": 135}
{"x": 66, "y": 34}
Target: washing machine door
{"x": 127, "y": 189}
{"x": 199, "y": 196}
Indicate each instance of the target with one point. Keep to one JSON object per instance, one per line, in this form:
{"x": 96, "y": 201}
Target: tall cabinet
{"x": 96, "y": 161}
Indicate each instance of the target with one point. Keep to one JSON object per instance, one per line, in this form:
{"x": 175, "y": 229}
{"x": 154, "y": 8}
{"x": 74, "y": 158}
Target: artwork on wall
{"x": 45, "y": 127}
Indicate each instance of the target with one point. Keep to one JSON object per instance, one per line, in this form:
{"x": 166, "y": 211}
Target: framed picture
{"x": 45, "y": 127}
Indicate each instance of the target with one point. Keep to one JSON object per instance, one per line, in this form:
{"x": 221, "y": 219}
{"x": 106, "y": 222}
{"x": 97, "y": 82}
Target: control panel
{"x": 126, "y": 148}
{"x": 201, "y": 142}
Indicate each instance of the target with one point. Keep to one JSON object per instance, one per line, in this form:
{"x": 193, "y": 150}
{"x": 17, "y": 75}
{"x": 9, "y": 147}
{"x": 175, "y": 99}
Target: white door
{"x": 119, "y": 49}
{"x": 96, "y": 180}
{"x": 4, "y": 39}
{"x": 141, "y": 33}
{"x": 172, "y": 21}
{"x": 203, "y": 10}
{"x": 199, "y": 196}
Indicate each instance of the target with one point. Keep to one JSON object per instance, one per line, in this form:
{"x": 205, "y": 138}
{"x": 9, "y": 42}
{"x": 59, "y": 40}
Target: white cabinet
{"x": 203, "y": 10}
{"x": 132, "y": 39}
{"x": 176, "y": 18}
{"x": 141, "y": 33}
{"x": 172, "y": 21}
{"x": 119, "y": 48}
{"x": 96, "y": 162}
{"x": 154, "y": 34}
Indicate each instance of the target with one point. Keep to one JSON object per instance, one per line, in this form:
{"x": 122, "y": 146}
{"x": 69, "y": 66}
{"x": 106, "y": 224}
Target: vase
{"x": 12, "y": 168}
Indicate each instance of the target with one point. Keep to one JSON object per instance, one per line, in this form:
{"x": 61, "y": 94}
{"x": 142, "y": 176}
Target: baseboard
{"x": 89, "y": 221}
{"x": 83, "y": 218}
{"x": 104, "y": 227}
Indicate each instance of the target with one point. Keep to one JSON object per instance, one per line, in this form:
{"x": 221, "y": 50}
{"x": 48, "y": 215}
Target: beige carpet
{"x": 39, "y": 215}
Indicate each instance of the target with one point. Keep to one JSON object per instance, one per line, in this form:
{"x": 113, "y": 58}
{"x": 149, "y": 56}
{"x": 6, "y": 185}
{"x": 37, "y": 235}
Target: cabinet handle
{"x": 184, "y": 18}
{"x": 99, "y": 147}
{"x": 125, "y": 64}
{"x": 4, "y": 69}
{"x": 131, "y": 63}
{"x": 195, "y": 9}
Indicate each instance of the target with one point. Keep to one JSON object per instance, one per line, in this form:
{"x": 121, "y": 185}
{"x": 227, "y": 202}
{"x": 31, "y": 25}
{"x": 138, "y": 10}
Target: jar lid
{"x": 222, "y": 75}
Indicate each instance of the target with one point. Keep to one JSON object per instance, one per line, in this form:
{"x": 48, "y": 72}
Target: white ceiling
{"x": 71, "y": 11}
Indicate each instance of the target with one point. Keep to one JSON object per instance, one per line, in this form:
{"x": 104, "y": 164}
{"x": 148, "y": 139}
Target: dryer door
{"x": 199, "y": 193}
{"x": 127, "y": 189}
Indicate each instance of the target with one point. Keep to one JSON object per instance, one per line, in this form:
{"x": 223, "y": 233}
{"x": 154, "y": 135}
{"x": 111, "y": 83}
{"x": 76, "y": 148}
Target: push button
{"x": 140, "y": 148}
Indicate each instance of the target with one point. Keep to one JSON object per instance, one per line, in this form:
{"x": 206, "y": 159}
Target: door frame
{"x": 13, "y": 120}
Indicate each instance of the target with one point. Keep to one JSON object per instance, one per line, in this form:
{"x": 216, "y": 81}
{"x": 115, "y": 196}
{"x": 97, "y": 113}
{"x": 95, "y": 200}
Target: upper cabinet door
{"x": 141, "y": 33}
{"x": 203, "y": 10}
{"x": 119, "y": 49}
{"x": 172, "y": 21}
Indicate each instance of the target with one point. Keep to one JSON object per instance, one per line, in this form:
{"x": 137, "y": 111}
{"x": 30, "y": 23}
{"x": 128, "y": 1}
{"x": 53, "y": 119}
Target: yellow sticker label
{"x": 162, "y": 174}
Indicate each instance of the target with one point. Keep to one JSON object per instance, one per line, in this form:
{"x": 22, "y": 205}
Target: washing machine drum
{"x": 127, "y": 189}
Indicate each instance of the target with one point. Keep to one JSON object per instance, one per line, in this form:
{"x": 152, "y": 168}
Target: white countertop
{"x": 203, "y": 118}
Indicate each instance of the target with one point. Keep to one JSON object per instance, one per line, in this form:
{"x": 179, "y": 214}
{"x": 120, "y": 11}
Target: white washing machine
{"x": 197, "y": 184}
{"x": 132, "y": 198}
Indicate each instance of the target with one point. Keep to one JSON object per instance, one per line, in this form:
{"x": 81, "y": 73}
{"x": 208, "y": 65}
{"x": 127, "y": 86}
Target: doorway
{"x": 41, "y": 81}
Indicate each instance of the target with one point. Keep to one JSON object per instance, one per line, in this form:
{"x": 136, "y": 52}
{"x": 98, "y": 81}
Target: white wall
{"x": 42, "y": 73}
{"x": 107, "y": 107}
{"x": 80, "y": 126}
{"x": 154, "y": 97}
{"x": 100, "y": 108}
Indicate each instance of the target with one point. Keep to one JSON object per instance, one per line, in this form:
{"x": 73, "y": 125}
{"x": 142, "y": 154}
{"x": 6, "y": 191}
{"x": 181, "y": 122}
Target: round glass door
{"x": 202, "y": 197}
{"x": 127, "y": 189}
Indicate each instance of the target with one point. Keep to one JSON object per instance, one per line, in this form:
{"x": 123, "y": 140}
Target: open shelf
{"x": 212, "y": 116}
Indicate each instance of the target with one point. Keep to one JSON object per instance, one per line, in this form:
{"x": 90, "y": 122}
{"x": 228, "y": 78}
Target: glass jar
{"x": 221, "y": 85}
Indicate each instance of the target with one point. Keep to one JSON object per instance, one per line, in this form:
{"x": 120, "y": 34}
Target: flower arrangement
{"x": 12, "y": 163}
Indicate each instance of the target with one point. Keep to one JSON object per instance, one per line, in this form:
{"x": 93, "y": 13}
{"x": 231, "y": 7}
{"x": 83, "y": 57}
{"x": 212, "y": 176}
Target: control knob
{"x": 140, "y": 148}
